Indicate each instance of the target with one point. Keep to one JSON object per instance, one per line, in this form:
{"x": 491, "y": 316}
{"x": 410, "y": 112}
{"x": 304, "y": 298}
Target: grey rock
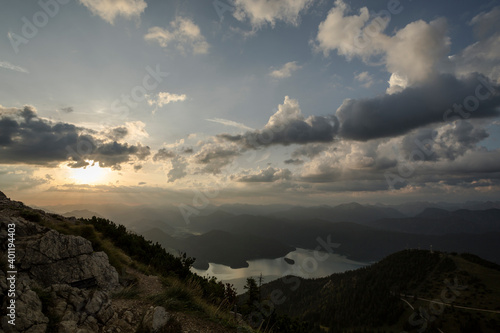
{"x": 155, "y": 319}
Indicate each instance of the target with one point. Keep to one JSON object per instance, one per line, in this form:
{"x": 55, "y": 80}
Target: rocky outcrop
{"x": 49, "y": 257}
{"x": 60, "y": 282}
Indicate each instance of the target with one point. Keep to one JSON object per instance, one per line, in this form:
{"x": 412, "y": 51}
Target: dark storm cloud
{"x": 288, "y": 126}
{"x": 442, "y": 98}
{"x": 27, "y": 139}
{"x": 293, "y": 131}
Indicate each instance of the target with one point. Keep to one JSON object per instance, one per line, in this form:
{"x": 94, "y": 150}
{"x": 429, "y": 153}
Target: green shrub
{"x": 30, "y": 215}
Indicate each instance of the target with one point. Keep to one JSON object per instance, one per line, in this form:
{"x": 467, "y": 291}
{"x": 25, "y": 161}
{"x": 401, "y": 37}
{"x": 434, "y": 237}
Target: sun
{"x": 90, "y": 175}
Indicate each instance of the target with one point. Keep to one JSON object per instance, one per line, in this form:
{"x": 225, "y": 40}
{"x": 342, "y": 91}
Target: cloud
{"x": 486, "y": 22}
{"x": 262, "y": 12}
{"x": 112, "y": 154}
{"x": 215, "y": 157}
{"x": 164, "y": 98}
{"x": 8, "y": 65}
{"x": 25, "y": 138}
{"x": 286, "y": 70}
{"x": 288, "y": 126}
{"x": 432, "y": 102}
{"x": 339, "y": 32}
{"x": 178, "y": 169}
{"x": 230, "y": 123}
{"x": 482, "y": 56}
{"x": 365, "y": 78}
{"x": 267, "y": 175}
{"x": 117, "y": 133}
{"x": 445, "y": 154}
{"x": 21, "y": 178}
{"x": 108, "y": 10}
{"x": 294, "y": 161}
{"x": 449, "y": 141}
{"x": 184, "y": 34}
{"x": 164, "y": 154}
{"x": 310, "y": 150}
{"x": 68, "y": 109}
{"x": 132, "y": 130}
{"x": 411, "y": 54}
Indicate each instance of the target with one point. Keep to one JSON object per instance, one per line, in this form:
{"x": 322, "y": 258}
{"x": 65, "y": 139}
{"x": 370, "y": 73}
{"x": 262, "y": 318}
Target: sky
{"x": 249, "y": 101}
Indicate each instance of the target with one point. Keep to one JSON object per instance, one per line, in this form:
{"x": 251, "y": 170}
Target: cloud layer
{"x": 288, "y": 126}
{"x": 440, "y": 99}
{"x": 25, "y": 138}
{"x": 108, "y": 10}
{"x": 410, "y": 55}
{"x": 261, "y": 12}
{"x": 184, "y": 34}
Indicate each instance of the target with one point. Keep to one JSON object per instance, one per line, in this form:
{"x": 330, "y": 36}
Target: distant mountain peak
{"x": 350, "y": 205}
{"x": 434, "y": 212}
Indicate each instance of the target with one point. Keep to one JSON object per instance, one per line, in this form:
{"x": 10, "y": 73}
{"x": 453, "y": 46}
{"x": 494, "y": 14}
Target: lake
{"x": 307, "y": 264}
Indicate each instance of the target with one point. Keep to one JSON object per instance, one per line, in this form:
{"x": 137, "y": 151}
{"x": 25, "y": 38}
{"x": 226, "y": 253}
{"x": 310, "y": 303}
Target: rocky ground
{"x": 62, "y": 285}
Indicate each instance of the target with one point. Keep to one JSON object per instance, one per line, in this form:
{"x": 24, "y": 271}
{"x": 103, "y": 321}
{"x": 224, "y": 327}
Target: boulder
{"x": 155, "y": 319}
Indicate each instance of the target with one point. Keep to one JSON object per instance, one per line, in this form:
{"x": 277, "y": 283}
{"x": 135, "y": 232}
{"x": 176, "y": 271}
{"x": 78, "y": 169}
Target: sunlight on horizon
{"x": 92, "y": 174}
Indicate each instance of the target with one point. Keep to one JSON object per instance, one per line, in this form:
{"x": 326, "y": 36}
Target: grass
{"x": 31, "y": 215}
{"x": 186, "y": 296}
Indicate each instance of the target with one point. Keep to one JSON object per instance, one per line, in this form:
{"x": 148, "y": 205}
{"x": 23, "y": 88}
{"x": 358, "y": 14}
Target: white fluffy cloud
{"x": 108, "y": 10}
{"x": 164, "y": 98}
{"x": 261, "y": 12}
{"x": 365, "y": 78}
{"x": 183, "y": 33}
{"x": 286, "y": 70}
{"x": 410, "y": 55}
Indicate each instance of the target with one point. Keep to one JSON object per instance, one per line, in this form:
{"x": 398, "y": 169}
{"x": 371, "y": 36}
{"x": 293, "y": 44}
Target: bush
{"x": 31, "y": 215}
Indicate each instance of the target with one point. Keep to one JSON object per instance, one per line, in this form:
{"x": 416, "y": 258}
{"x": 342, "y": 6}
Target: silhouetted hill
{"x": 351, "y": 212}
{"x": 145, "y": 225}
{"x": 239, "y": 209}
{"x": 82, "y": 213}
{"x": 393, "y": 295}
{"x": 357, "y": 241}
{"x": 439, "y": 221}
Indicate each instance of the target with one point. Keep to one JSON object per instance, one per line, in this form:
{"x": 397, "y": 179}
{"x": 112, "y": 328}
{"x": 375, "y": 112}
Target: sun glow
{"x": 92, "y": 174}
